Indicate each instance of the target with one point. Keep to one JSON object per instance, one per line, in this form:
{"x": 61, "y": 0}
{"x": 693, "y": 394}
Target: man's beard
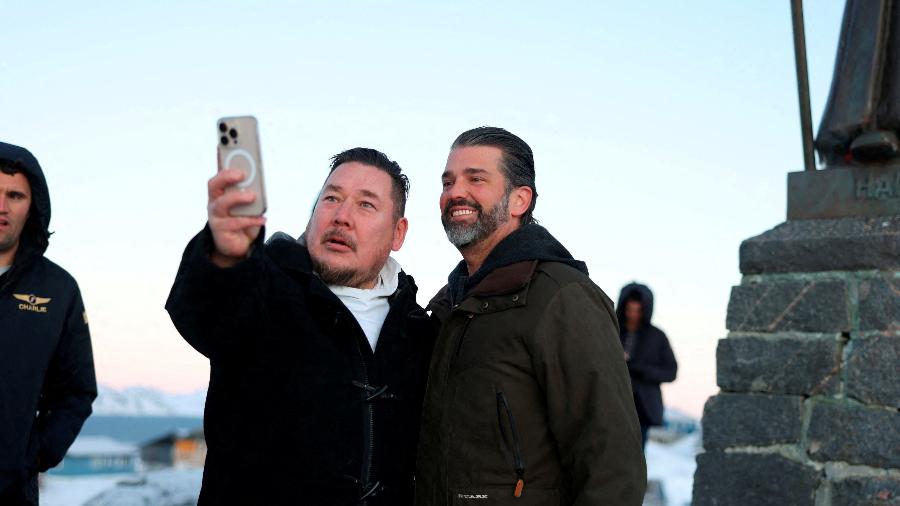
{"x": 463, "y": 235}
{"x": 342, "y": 276}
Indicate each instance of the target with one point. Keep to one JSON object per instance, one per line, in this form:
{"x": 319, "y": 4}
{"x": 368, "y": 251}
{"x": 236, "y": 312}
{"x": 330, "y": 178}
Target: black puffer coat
{"x": 47, "y": 378}
{"x": 652, "y": 361}
{"x": 300, "y": 410}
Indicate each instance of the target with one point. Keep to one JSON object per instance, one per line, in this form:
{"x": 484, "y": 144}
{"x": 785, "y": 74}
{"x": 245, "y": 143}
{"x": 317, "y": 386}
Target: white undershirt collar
{"x": 370, "y": 306}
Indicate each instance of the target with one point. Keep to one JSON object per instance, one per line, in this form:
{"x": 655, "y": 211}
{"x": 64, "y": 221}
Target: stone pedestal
{"x": 809, "y": 407}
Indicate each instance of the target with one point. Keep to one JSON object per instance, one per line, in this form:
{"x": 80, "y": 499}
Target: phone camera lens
{"x": 224, "y": 140}
{"x": 233, "y": 133}
{"x": 223, "y": 127}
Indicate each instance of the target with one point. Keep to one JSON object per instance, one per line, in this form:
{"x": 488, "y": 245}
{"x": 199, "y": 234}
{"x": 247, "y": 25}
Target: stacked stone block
{"x": 809, "y": 407}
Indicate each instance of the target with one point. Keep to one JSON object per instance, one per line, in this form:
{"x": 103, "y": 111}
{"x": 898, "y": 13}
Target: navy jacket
{"x": 652, "y": 361}
{"x": 47, "y": 378}
{"x": 299, "y": 409}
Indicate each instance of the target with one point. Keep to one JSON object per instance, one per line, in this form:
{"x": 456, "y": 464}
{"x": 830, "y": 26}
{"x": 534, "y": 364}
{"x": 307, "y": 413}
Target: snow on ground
{"x": 673, "y": 465}
{"x": 72, "y": 490}
{"x": 169, "y": 487}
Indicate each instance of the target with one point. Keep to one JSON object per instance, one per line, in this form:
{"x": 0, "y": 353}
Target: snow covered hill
{"x": 144, "y": 401}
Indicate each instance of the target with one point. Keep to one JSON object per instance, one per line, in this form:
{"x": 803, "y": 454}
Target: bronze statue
{"x": 862, "y": 117}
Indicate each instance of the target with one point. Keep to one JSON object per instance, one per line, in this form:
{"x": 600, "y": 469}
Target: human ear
{"x": 520, "y": 201}
{"x": 399, "y": 233}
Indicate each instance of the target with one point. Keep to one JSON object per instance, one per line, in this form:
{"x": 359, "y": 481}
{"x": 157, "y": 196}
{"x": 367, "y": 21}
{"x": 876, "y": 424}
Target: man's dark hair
{"x": 379, "y": 160}
{"x": 517, "y": 163}
{"x": 11, "y": 168}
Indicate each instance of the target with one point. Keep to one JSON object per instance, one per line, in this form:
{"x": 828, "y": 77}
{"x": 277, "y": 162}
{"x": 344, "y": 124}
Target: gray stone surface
{"x": 848, "y": 432}
{"x": 867, "y": 491}
{"x": 879, "y": 303}
{"x": 839, "y": 190}
{"x": 804, "y": 306}
{"x": 847, "y": 244}
{"x": 751, "y": 420}
{"x": 872, "y": 370}
{"x": 724, "y": 479}
{"x": 785, "y": 365}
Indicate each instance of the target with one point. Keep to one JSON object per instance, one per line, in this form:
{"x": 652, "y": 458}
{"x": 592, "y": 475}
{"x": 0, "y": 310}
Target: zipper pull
{"x": 519, "y": 486}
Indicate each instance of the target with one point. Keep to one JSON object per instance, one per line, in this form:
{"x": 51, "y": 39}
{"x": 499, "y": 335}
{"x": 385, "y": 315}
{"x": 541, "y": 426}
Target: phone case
{"x": 239, "y": 149}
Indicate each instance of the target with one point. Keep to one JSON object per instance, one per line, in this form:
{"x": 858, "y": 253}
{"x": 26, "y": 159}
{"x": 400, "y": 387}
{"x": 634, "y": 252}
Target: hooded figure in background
{"x": 47, "y": 379}
{"x": 647, "y": 352}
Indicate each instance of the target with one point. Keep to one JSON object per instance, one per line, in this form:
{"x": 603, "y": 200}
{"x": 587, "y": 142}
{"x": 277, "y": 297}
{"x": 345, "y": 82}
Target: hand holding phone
{"x": 238, "y": 149}
{"x": 236, "y": 195}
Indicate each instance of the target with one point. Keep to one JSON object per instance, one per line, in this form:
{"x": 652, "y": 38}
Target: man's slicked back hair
{"x": 517, "y": 162}
{"x": 379, "y": 160}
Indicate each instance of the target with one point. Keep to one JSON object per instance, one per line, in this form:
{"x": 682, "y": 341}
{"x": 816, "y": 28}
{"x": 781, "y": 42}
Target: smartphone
{"x": 239, "y": 149}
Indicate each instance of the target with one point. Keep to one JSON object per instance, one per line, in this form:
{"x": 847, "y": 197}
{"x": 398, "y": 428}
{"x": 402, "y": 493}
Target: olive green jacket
{"x": 528, "y": 399}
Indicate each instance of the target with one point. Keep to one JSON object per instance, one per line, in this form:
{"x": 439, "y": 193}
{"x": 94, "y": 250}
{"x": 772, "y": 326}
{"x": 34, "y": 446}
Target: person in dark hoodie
{"x": 528, "y": 400}
{"x": 47, "y": 379}
{"x": 647, "y": 352}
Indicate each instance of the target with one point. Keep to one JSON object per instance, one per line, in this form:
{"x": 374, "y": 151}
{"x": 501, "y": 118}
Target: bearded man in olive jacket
{"x": 528, "y": 399}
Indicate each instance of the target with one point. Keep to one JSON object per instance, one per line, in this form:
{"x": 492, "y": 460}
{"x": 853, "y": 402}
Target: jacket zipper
{"x": 515, "y": 447}
{"x": 370, "y": 433}
{"x": 463, "y": 334}
{"x": 369, "y": 429}
{"x": 446, "y": 374}
{"x": 459, "y": 342}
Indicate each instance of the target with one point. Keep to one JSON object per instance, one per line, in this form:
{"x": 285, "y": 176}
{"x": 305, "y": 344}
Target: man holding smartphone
{"x": 318, "y": 350}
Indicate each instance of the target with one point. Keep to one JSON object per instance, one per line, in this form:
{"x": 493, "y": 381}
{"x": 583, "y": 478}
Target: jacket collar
{"x": 526, "y": 243}
{"x": 505, "y": 287}
{"x": 26, "y": 255}
{"x": 507, "y": 279}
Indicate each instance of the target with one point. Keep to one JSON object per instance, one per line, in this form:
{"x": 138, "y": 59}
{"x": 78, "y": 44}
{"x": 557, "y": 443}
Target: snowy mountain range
{"x": 145, "y": 401}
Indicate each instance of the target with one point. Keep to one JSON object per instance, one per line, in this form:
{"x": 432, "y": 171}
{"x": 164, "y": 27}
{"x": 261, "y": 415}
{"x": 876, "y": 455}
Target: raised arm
{"x": 216, "y": 300}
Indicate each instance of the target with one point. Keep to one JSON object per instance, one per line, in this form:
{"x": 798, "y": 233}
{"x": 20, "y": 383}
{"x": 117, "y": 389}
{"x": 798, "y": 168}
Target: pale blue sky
{"x": 662, "y": 130}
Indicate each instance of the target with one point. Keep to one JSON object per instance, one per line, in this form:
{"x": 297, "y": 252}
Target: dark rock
{"x": 751, "y": 420}
{"x": 872, "y": 370}
{"x": 847, "y": 244}
{"x": 724, "y": 479}
{"x": 866, "y": 491}
{"x": 847, "y": 432}
{"x": 784, "y": 365}
{"x": 879, "y": 303}
{"x": 800, "y": 305}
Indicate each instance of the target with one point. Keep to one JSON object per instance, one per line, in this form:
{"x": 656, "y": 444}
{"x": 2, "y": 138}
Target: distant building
{"x": 675, "y": 426}
{"x": 95, "y": 455}
{"x": 176, "y": 449}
